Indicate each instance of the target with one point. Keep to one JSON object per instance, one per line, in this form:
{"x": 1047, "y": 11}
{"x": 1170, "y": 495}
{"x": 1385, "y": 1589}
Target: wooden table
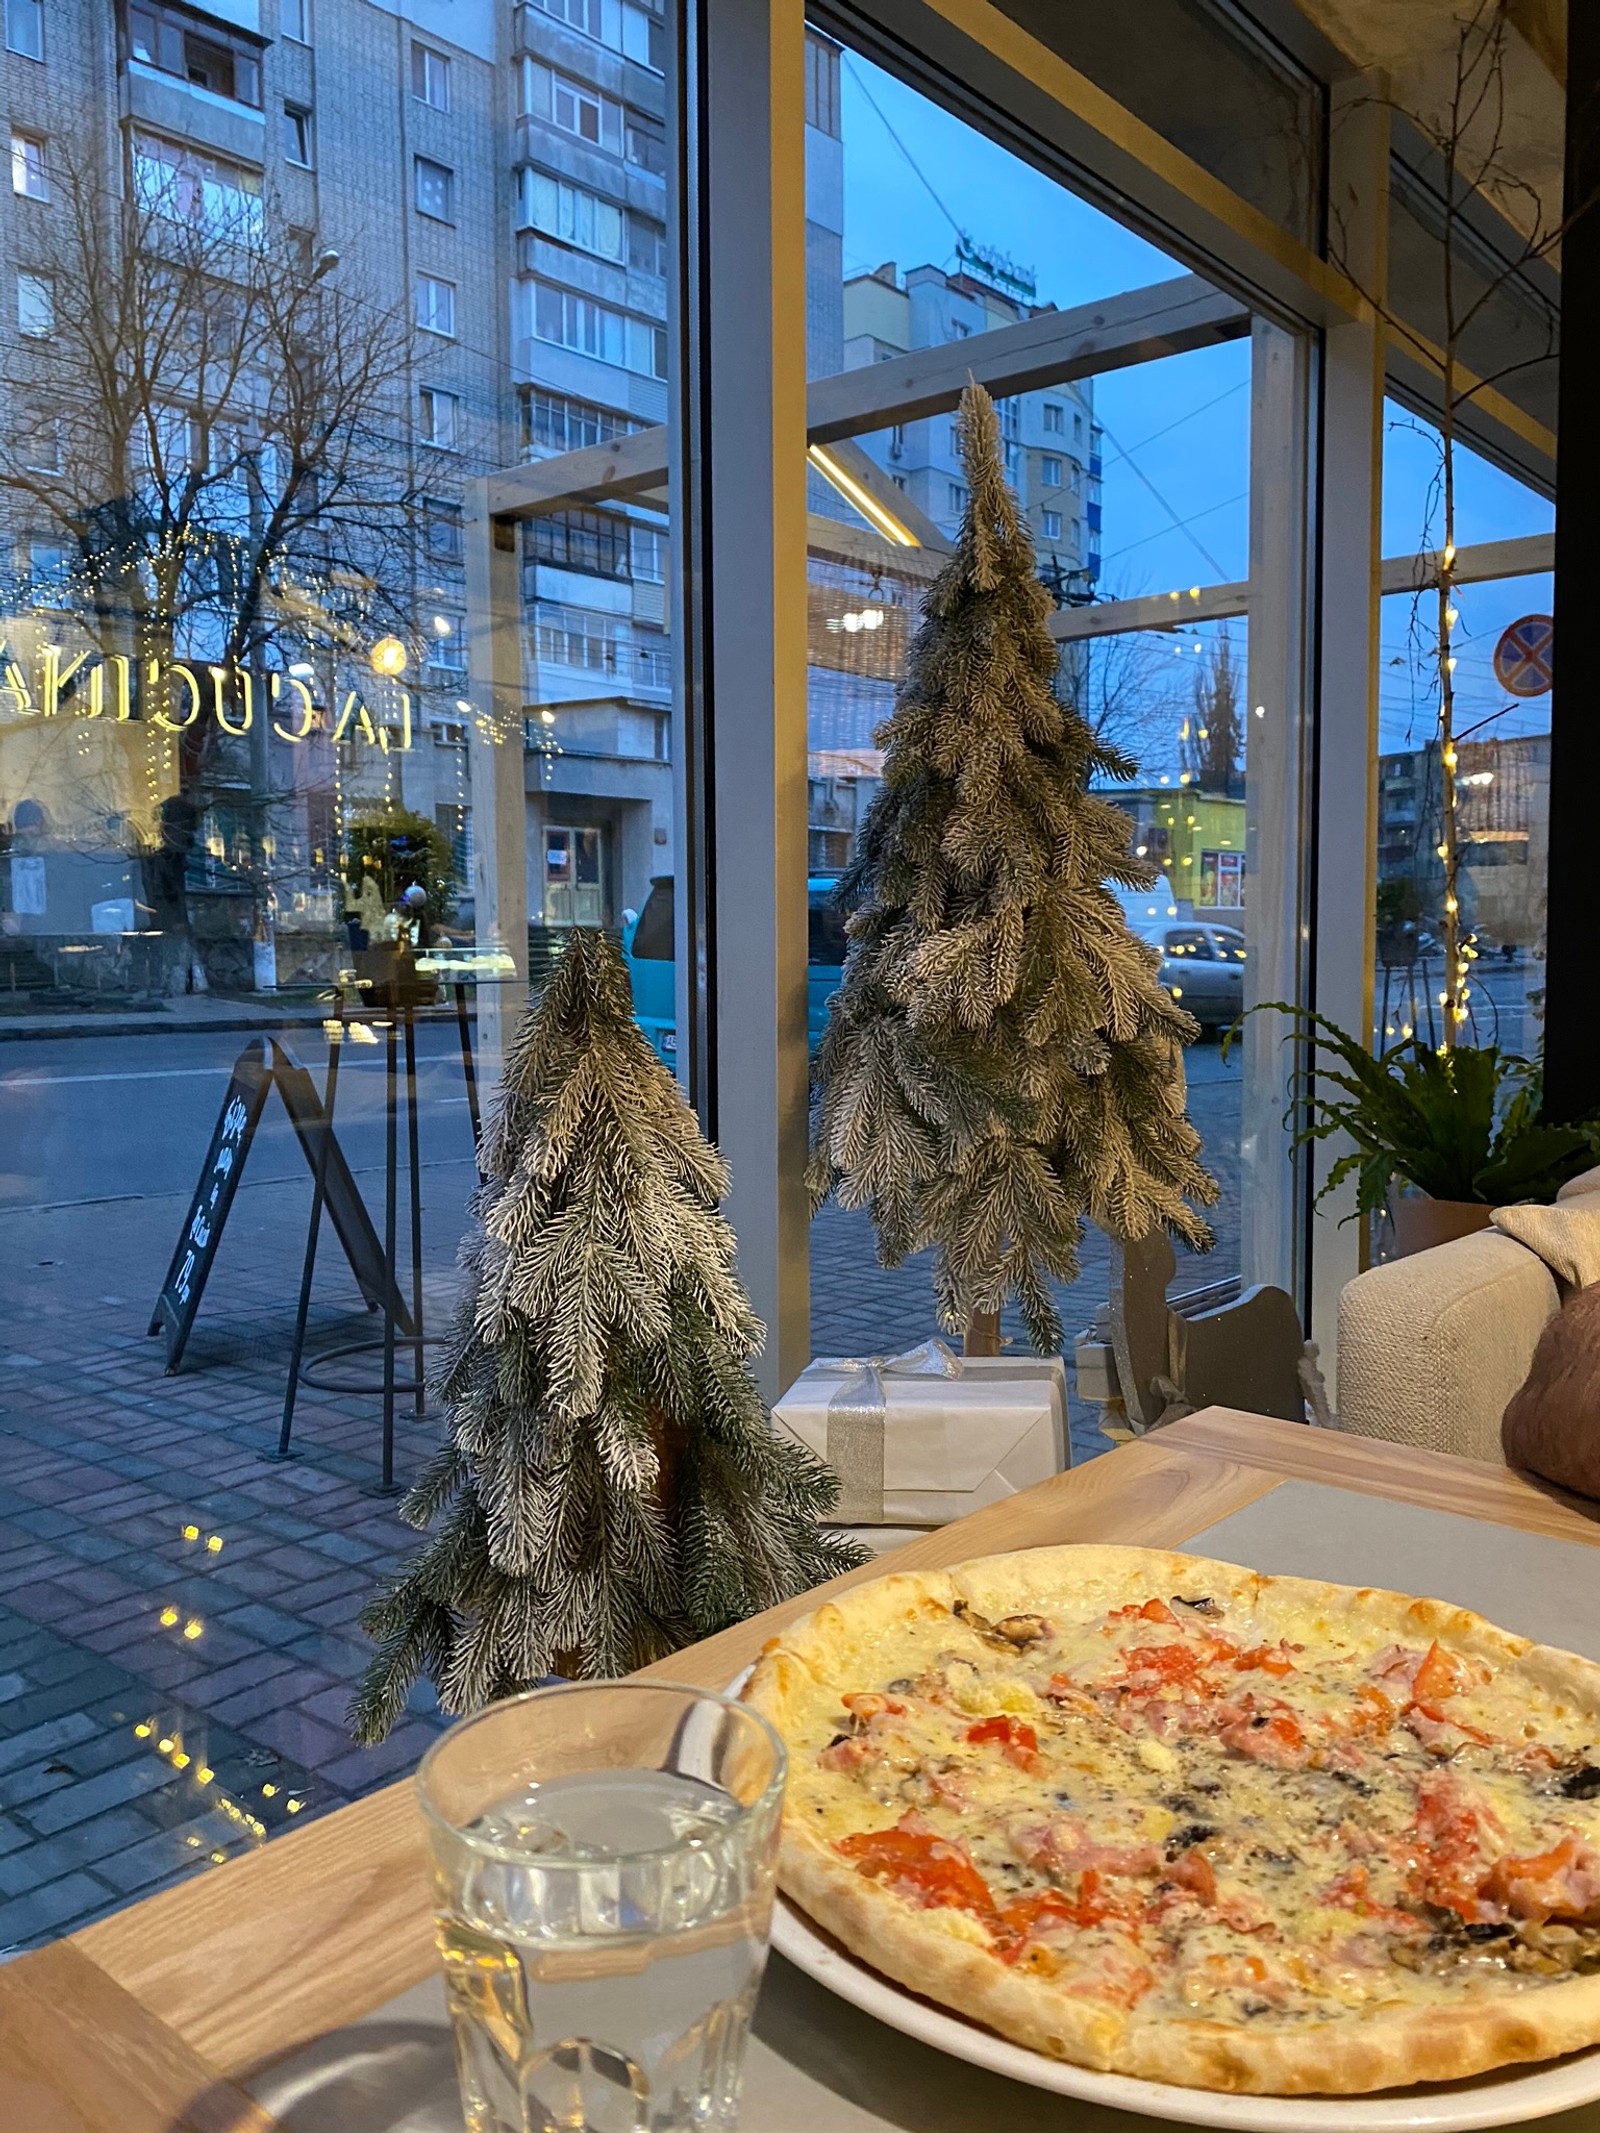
{"x": 151, "y": 2019}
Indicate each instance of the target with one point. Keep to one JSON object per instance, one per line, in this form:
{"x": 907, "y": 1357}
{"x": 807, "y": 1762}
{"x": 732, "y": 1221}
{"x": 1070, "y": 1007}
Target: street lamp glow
{"x": 388, "y": 657}
{"x": 441, "y": 625}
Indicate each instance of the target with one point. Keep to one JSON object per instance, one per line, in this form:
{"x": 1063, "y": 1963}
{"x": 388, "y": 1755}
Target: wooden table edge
{"x": 337, "y": 1915}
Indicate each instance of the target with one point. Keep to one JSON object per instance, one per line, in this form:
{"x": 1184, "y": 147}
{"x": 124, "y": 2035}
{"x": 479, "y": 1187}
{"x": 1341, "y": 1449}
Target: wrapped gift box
{"x": 949, "y": 1443}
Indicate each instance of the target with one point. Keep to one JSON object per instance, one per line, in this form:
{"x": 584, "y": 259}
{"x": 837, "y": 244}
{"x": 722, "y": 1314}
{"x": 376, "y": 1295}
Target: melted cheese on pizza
{"x": 1179, "y": 1807}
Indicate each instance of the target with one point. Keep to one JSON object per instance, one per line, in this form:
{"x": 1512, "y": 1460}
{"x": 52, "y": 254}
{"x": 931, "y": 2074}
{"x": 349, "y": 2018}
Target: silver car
{"x": 1202, "y": 966}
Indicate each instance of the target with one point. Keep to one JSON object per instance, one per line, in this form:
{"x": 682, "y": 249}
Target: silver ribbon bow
{"x": 856, "y": 1416}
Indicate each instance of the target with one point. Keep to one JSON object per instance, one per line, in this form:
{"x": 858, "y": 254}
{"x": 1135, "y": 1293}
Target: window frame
{"x": 26, "y": 165}
{"x": 33, "y": 11}
{"x": 428, "y": 171}
{"x": 433, "y": 284}
{"x": 299, "y": 135}
{"x": 431, "y": 399}
{"x": 429, "y": 68}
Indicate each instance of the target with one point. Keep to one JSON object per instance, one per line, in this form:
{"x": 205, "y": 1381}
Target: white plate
{"x": 1510, "y": 2096}
{"x": 1506, "y": 2098}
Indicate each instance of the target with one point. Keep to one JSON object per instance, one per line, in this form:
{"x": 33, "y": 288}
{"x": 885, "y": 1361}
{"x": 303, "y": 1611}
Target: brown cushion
{"x": 1552, "y": 1426}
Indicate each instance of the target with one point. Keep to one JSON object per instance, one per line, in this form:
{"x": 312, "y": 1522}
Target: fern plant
{"x": 1463, "y": 1124}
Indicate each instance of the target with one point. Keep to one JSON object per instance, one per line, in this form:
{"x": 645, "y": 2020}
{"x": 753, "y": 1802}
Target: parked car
{"x": 647, "y": 945}
{"x": 1202, "y": 966}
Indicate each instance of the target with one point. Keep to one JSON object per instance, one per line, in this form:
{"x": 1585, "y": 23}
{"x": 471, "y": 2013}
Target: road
{"x": 88, "y": 1120}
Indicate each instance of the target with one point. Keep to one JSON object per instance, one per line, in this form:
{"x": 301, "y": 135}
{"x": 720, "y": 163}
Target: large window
{"x": 1133, "y": 483}
{"x": 1502, "y": 716}
{"x": 241, "y": 411}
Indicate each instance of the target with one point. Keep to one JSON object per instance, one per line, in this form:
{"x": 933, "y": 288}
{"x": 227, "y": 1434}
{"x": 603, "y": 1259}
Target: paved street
{"x": 178, "y": 1613}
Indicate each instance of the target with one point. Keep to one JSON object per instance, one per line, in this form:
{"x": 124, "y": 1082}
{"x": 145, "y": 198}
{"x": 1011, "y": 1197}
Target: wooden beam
{"x": 1168, "y": 318}
{"x": 1522, "y": 558}
{"x": 597, "y": 473}
{"x": 1151, "y": 611}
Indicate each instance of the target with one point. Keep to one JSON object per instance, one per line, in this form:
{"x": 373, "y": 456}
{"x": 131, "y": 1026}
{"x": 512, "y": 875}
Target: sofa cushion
{"x": 1552, "y": 1424}
{"x": 1431, "y": 1348}
{"x": 1585, "y": 1182}
{"x": 1566, "y": 1236}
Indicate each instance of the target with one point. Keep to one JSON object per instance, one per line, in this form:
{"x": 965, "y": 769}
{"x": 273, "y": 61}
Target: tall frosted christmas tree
{"x": 612, "y": 1487}
{"x": 1000, "y": 1060}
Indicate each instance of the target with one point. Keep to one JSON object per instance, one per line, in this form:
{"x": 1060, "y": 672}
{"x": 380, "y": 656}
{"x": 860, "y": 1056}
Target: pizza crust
{"x": 933, "y": 1953}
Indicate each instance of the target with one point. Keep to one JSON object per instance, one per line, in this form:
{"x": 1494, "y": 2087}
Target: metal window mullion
{"x": 1277, "y": 697}
{"x": 742, "y": 950}
{"x": 1349, "y": 590}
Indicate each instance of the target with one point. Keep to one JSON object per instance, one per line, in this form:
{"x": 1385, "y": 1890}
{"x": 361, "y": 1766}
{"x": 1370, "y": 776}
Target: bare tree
{"x": 1213, "y": 734}
{"x": 210, "y": 420}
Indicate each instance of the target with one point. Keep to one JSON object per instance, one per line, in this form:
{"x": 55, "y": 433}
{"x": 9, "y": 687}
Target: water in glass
{"x": 603, "y": 1938}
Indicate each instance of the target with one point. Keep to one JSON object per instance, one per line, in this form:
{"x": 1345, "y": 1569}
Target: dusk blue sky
{"x": 1182, "y": 424}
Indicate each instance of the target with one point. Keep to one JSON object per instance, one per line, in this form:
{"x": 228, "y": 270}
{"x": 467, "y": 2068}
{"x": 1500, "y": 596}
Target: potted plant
{"x": 1461, "y": 1127}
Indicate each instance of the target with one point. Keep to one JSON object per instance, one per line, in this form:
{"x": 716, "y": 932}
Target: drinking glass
{"x": 604, "y": 1860}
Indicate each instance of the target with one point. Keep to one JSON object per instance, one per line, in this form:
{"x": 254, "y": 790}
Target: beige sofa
{"x": 1432, "y": 1347}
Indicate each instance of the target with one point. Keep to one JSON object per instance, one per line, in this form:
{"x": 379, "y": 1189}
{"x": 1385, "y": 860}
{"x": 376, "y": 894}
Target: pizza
{"x": 1166, "y": 1817}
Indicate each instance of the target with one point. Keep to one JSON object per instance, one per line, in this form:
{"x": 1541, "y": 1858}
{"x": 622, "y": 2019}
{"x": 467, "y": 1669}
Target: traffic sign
{"x": 1524, "y": 659}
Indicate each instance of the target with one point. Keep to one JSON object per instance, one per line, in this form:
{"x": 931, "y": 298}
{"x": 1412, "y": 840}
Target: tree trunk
{"x": 982, "y": 1336}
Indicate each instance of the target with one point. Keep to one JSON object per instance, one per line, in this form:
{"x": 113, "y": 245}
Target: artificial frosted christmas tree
{"x": 1000, "y": 1060}
{"x": 611, "y": 1487}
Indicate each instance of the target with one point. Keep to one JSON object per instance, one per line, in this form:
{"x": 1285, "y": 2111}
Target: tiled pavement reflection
{"x": 163, "y": 1701}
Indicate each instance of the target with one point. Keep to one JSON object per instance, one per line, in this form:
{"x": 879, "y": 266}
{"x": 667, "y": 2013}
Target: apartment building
{"x": 1053, "y": 452}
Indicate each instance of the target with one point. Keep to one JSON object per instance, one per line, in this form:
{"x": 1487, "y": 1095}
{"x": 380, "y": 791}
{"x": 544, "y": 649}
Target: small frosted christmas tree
{"x": 1000, "y": 1060}
{"x": 612, "y": 1487}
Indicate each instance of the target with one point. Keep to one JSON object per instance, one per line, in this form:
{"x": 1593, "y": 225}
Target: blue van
{"x": 647, "y": 946}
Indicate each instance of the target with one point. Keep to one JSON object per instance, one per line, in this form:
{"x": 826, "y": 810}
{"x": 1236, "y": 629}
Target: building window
{"x": 957, "y": 499}
{"x": 571, "y": 106}
{"x": 442, "y": 529}
{"x": 644, "y": 35}
{"x": 25, "y": 28}
{"x": 28, "y": 167}
{"x": 1050, "y": 525}
{"x": 1055, "y": 418}
{"x": 553, "y": 423}
{"x": 1050, "y": 471}
{"x": 647, "y": 245}
{"x": 577, "y": 322}
{"x": 595, "y": 542}
{"x": 576, "y": 14}
{"x": 440, "y": 422}
{"x": 822, "y": 84}
{"x": 187, "y": 185}
{"x": 1221, "y": 881}
{"x": 959, "y": 329}
{"x": 576, "y": 216}
{"x": 1077, "y": 429}
{"x": 40, "y": 442}
{"x": 430, "y": 76}
{"x": 436, "y": 187}
{"x": 650, "y": 555}
{"x": 447, "y": 644}
{"x": 48, "y": 565}
{"x": 36, "y": 306}
{"x": 297, "y": 135}
{"x": 1077, "y": 477}
{"x": 171, "y": 41}
{"x": 646, "y": 146}
{"x": 294, "y": 19}
{"x": 436, "y": 305}
{"x": 578, "y": 637}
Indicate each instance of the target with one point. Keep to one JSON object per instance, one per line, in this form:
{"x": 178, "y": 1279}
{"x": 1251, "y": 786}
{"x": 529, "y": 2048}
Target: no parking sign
{"x": 1524, "y": 659}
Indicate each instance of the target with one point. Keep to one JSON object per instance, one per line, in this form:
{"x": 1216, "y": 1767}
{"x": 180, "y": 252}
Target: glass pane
{"x": 1135, "y": 485}
{"x": 1502, "y": 719}
{"x": 239, "y": 694}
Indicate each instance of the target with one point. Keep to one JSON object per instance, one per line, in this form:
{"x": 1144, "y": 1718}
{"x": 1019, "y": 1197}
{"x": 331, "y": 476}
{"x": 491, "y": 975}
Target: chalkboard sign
{"x": 262, "y": 1065}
